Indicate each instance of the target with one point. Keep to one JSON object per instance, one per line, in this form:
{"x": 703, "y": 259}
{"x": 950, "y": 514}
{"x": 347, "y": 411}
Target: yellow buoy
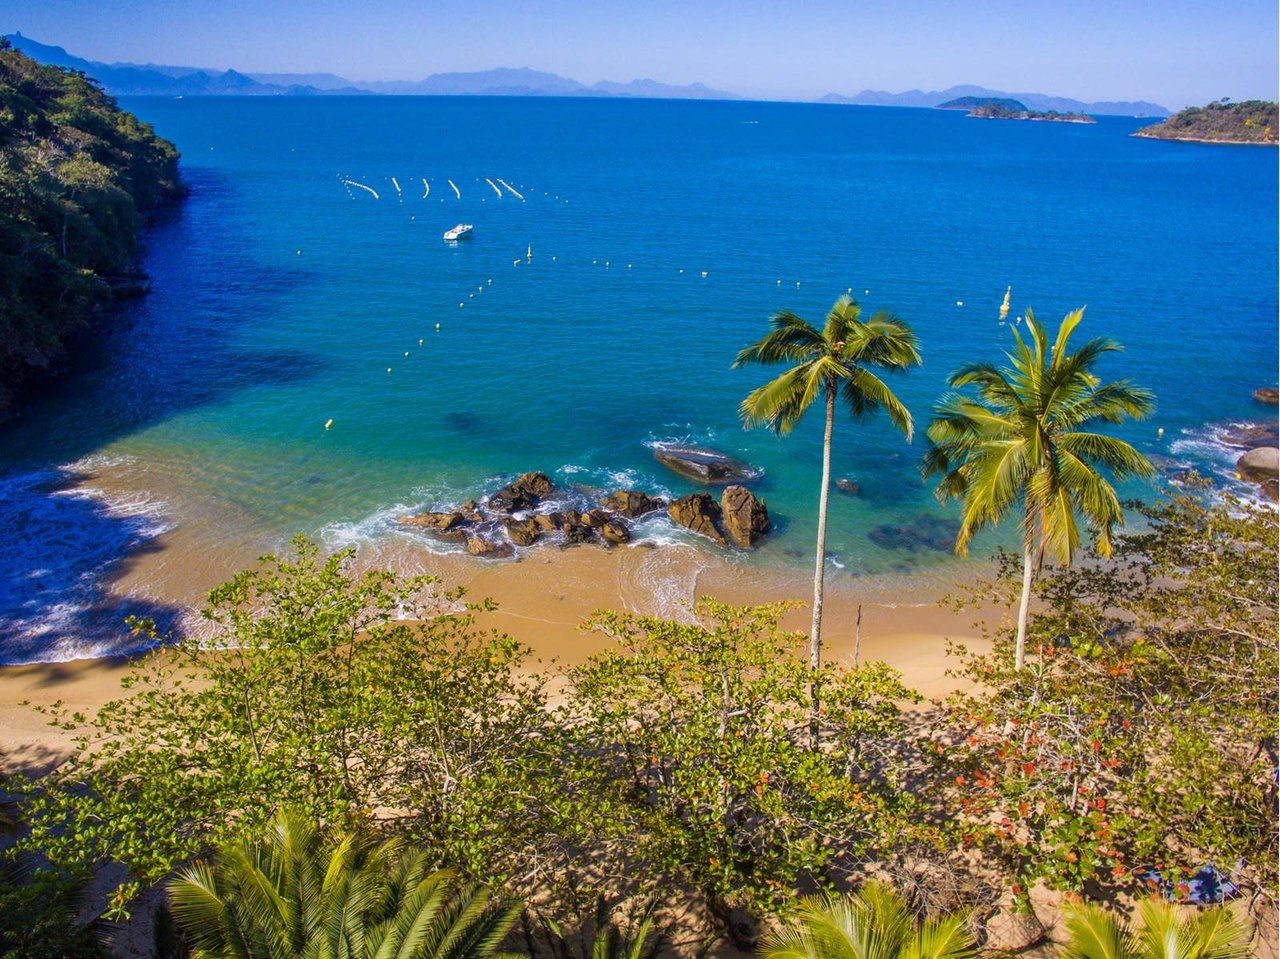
{"x": 328, "y": 423}
{"x": 1160, "y": 433}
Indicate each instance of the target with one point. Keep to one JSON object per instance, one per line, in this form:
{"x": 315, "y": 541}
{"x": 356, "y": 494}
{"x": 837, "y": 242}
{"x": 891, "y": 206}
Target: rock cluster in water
{"x": 518, "y": 515}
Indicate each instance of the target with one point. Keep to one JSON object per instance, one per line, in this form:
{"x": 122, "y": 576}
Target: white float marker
{"x": 495, "y": 187}
{"x": 396, "y": 183}
{"x": 456, "y": 191}
{"x": 513, "y": 190}
{"x": 363, "y": 187}
{"x": 426, "y": 188}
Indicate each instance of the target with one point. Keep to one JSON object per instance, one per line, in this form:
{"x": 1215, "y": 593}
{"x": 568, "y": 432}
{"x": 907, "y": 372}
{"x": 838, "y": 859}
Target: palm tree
{"x": 1096, "y": 933}
{"x": 838, "y": 359}
{"x": 1024, "y": 440}
{"x": 297, "y": 895}
{"x": 874, "y": 924}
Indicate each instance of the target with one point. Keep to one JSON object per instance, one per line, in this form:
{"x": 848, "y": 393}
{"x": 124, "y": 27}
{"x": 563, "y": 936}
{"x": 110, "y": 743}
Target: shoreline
{"x": 542, "y": 600}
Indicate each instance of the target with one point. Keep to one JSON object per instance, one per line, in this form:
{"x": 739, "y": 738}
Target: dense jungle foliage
{"x": 76, "y": 175}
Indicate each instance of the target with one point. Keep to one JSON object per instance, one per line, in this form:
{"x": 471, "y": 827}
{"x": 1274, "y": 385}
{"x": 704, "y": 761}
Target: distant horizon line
{"x": 276, "y": 82}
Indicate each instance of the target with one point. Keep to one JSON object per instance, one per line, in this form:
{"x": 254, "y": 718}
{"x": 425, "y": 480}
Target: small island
{"x": 1250, "y": 121}
{"x": 1004, "y": 108}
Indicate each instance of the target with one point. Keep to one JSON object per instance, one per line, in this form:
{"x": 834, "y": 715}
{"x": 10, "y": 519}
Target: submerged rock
{"x": 1247, "y": 436}
{"x": 1267, "y": 394}
{"x": 846, "y": 485}
{"x": 706, "y": 465}
{"x": 923, "y": 532}
{"x": 698, "y": 512}
{"x": 632, "y": 503}
{"x": 745, "y": 518}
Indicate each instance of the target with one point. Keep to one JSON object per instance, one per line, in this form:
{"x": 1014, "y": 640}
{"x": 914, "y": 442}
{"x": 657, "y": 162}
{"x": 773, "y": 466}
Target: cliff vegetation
{"x": 77, "y": 174}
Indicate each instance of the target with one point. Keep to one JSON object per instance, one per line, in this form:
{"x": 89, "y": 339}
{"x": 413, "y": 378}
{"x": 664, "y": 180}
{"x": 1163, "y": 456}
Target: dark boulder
{"x": 1267, "y": 394}
{"x": 1261, "y": 466}
{"x": 615, "y": 531}
{"x": 522, "y": 532}
{"x": 848, "y": 486}
{"x": 526, "y": 492}
{"x": 488, "y": 548}
{"x": 577, "y": 533}
{"x": 698, "y": 512}
{"x": 745, "y": 517}
{"x": 705, "y": 465}
{"x": 632, "y": 503}
{"x": 439, "y": 521}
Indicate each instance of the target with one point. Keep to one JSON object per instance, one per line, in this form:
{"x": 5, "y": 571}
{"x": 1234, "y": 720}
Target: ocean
{"x": 623, "y": 252}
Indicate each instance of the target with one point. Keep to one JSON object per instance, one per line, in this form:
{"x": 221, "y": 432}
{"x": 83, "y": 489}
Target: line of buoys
{"x": 426, "y": 188}
{"x": 496, "y": 189}
{"x": 456, "y": 191}
{"x": 396, "y": 183}
{"x": 514, "y": 192}
{"x": 363, "y": 187}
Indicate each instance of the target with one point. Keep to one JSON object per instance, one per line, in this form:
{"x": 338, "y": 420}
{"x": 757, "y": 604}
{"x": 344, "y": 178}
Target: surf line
{"x": 363, "y": 187}
{"x": 495, "y": 187}
{"x": 456, "y": 191}
{"x": 426, "y": 188}
{"x": 513, "y": 190}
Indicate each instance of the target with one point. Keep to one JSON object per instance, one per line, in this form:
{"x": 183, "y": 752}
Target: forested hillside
{"x": 1251, "y": 121}
{"x": 77, "y": 173}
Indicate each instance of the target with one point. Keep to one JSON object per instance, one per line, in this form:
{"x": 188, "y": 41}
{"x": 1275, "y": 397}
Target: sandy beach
{"x": 542, "y": 601}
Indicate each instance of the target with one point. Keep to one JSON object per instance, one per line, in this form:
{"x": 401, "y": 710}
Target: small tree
{"x": 704, "y": 725}
{"x": 1145, "y": 732}
{"x": 338, "y": 694}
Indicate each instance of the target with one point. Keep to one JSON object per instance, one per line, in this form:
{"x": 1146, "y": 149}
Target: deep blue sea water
{"x": 663, "y": 234}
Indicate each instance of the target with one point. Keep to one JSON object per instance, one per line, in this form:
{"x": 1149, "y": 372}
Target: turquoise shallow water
{"x": 281, "y": 297}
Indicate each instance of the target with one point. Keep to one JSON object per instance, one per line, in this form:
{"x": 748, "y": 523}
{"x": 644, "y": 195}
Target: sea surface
{"x": 592, "y": 316}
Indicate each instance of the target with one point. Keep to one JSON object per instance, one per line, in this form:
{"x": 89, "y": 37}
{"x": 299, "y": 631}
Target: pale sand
{"x": 542, "y": 600}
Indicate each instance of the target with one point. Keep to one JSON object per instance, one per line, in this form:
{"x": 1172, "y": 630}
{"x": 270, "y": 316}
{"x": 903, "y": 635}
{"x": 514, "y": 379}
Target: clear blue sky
{"x": 1173, "y": 52}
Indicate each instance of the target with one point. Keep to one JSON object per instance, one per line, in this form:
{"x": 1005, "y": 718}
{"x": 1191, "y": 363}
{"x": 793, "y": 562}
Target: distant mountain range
{"x": 1034, "y": 101}
{"x": 150, "y": 79}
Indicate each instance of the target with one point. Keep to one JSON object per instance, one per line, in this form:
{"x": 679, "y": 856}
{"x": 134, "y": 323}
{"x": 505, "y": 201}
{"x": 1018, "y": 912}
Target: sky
{"x": 1171, "y": 52}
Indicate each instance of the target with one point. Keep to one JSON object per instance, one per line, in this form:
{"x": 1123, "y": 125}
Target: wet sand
{"x": 542, "y": 600}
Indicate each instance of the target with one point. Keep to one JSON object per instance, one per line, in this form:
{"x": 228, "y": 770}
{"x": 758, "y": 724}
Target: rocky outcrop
{"x": 698, "y": 512}
{"x": 848, "y": 486}
{"x": 632, "y": 503}
{"x": 705, "y": 465}
{"x": 745, "y": 517}
{"x": 1268, "y": 395}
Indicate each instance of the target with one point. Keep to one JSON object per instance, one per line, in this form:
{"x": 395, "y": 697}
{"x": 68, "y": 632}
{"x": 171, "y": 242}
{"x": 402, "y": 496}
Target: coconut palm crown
{"x": 836, "y": 361}
{"x": 297, "y": 895}
{"x": 1024, "y": 440}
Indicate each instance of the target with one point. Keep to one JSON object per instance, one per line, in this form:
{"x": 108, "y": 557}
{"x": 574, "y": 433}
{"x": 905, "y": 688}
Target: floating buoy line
{"x": 456, "y": 191}
{"x": 496, "y": 188}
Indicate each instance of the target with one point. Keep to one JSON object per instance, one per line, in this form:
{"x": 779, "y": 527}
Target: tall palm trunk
{"x": 815, "y": 635}
{"x": 1024, "y": 608}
